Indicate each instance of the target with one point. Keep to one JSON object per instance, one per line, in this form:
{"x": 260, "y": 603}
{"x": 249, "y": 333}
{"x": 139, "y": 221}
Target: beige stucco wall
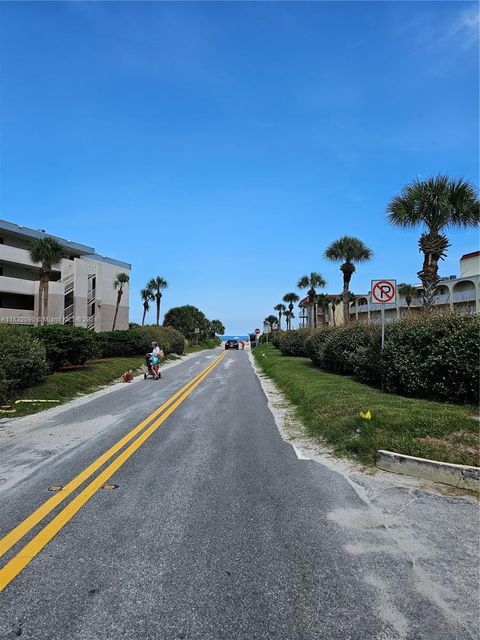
{"x": 470, "y": 267}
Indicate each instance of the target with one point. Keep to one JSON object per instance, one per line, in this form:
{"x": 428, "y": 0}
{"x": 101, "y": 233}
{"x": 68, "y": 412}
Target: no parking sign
{"x": 384, "y": 291}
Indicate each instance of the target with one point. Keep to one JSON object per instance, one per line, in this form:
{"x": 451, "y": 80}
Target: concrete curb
{"x": 455, "y": 475}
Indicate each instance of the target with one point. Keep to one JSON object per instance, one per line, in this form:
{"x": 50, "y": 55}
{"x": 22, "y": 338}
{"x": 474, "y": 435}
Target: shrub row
{"x": 428, "y": 356}
{"x": 27, "y": 354}
{"x": 138, "y": 341}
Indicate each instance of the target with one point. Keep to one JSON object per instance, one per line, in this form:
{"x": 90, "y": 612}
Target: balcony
{"x": 467, "y": 295}
{"x": 18, "y": 285}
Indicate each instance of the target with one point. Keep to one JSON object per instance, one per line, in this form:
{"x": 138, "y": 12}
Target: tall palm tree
{"x": 409, "y": 292}
{"x": 313, "y": 281}
{"x": 280, "y": 309}
{"x": 48, "y": 252}
{"x": 147, "y": 297}
{"x": 156, "y": 285}
{"x": 288, "y": 317}
{"x": 323, "y": 302}
{"x": 291, "y": 298}
{"x": 436, "y": 204}
{"x": 348, "y": 250}
{"x": 271, "y": 320}
{"x": 119, "y": 282}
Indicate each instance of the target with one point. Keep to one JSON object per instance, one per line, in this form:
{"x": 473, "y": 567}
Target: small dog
{"x": 127, "y": 376}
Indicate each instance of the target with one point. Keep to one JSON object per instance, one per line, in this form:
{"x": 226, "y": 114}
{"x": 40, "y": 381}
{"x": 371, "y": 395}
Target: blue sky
{"x": 224, "y": 145}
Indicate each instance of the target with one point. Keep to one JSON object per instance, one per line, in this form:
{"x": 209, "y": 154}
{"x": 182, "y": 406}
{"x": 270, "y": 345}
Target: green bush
{"x": 293, "y": 343}
{"x": 275, "y": 338}
{"x": 138, "y": 341}
{"x": 315, "y": 345}
{"x": 65, "y": 345}
{"x": 110, "y": 344}
{"x": 22, "y": 360}
{"x": 170, "y": 340}
{"x": 434, "y": 356}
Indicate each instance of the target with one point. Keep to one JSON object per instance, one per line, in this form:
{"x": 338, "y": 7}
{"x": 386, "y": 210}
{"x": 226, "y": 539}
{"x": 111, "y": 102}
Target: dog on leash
{"x": 127, "y": 376}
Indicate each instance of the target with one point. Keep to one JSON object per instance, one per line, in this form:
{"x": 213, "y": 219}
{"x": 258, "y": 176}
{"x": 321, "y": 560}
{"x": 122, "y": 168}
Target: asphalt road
{"x": 217, "y": 530}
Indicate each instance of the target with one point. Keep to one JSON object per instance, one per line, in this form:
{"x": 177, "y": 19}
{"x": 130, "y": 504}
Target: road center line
{"x": 16, "y": 534}
{"x": 43, "y": 537}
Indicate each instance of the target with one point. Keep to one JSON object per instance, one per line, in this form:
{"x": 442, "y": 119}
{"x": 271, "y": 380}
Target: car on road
{"x": 231, "y": 344}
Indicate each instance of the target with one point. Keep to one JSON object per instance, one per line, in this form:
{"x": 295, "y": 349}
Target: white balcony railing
{"x": 68, "y": 282}
{"x": 68, "y": 314}
{"x": 464, "y": 296}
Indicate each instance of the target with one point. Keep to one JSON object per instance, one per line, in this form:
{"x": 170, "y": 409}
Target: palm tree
{"x": 156, "y": 285}
{"x": 280, "y": 309}
{"x": 147, "y": 297}
{"x": 118, "y": 283}
{"x": 291, "y": 298}
{"x": 48, "y": 252}
{"x": 288, "y": 317}
{"x": 271, "y": 320}
{"x": 323, "y": 302}
{"x": 410, "y": 292}
{"x": 438, "y": 204}
{"x": 314, "y": 280}
{"x": 348, "y": 250}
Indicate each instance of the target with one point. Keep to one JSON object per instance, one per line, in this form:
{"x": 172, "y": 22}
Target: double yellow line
{"x": 13, "y": 567}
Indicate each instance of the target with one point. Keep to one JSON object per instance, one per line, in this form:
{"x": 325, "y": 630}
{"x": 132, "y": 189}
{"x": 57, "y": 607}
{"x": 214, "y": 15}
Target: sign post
{"x": 384, "y": 292}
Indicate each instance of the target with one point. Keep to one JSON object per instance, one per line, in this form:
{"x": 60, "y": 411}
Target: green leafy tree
{"x": 312, "y": 282}
{"x": 147, "y": 297}
{"x": 120, "y": 281}
{"x": 217, "y": 327}
{"x": 280, "y": 309}
{"x": 48, "y": 252}
{"x": 156, "y": 285}
{"x": 436, "y": 204}
{"x": 291, "y": 298}
{"x": 410, "y": 292}
{"x": 348, "y": 250}
{"x": 186, "y": 319}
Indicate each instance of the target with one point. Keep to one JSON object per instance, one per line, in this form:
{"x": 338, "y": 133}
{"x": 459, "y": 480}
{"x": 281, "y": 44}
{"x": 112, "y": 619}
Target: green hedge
{"x": 65, "y": 345}
{"x": 22, "y": 360}
{"x": 293, "y": 343}
{"x": 434, "y": 356}
{"x": 138, "y": 340}
{"x": 428, "y": 355}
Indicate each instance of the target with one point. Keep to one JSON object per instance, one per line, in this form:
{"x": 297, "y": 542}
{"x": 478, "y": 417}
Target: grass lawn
{"x": 329, "y": 406}
{"x": 65, "y": 385}
{"x": 200, "y": 347}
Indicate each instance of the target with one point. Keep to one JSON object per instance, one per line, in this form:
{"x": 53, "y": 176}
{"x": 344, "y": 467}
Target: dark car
{"x": 231, "y": 344}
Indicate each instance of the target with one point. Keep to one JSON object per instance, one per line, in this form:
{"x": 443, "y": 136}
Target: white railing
{"x": 68, "y": 283}
{"x": 91, "y": 297}
{"x": 91, "y": 323}
{"x": 68, "y": 314}
{"x": 464, "y": 296}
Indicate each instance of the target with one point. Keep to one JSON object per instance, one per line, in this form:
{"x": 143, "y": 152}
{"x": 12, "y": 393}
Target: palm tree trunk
{"x": 347, "y": 269}
{"x": 279, "y": 320}
{"x": 314, "y": 315}
{"x": 40, "y": 302}
{"x": 45, "y": 301}
{"x": 433, "y": 245}
{"x": 158, "y": 297}
{"x": 144, "y": 314}
{"x": 119, "y": 297}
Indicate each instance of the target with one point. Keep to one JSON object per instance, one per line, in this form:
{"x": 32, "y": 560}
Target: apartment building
{"x": 456, "y": 293}
{"x": 81, "y": 290}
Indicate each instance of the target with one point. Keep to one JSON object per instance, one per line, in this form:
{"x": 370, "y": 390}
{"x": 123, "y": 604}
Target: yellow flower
{"x": 367, "y": 415}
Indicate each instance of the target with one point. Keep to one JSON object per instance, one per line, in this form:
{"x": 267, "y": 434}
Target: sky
{"x": 224, "y": 145}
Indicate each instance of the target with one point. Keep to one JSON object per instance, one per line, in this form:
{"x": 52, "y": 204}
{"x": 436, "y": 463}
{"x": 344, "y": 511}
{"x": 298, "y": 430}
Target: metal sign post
{"x": 384, "y": 292}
